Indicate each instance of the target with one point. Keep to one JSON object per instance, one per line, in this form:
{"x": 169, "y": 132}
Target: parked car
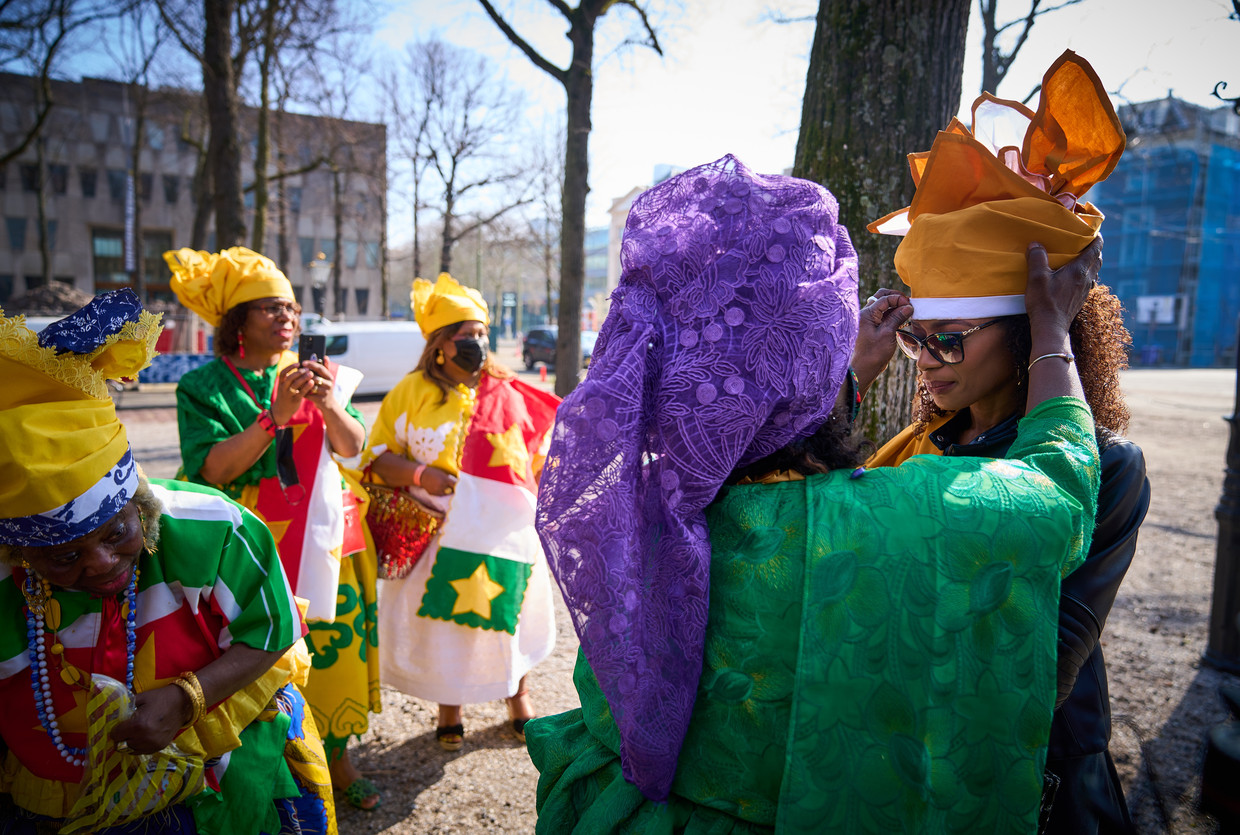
{"x": 383, "y": 351}
{"x": 539, "y": 346}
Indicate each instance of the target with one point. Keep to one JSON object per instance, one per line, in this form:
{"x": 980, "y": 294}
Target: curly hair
{"x": 1100, "y": 342}
{"x": 226, "y": 340}
{"x": 434, "y": 371}
{"x": 149, "y": 511}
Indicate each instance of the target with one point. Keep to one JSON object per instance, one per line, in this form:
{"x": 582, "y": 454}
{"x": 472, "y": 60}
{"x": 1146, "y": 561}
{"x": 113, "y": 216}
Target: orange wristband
{"x": 417, "y": 475}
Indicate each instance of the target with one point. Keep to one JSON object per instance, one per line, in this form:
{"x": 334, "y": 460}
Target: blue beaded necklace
{"x": 38, "y": 594}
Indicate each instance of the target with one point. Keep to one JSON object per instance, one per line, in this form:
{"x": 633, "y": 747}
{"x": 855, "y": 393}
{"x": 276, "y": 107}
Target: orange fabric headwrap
{"x": 983, "y": 195}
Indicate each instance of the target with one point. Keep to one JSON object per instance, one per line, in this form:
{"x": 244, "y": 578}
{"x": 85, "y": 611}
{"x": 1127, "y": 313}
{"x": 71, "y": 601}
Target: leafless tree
{"x": 471, "y": 119}
{"x": 544, "y": 228}
{"x": 35, "y": 35}
{"x": 142, "y": 35}
{"x": 996, "y": 61}
{"x": 410, "y": 104}
{"x": 578, "y": 81}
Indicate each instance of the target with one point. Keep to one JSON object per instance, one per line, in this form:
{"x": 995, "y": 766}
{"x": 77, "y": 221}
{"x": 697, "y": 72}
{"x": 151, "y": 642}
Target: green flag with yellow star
{"x": 475, "y": 590}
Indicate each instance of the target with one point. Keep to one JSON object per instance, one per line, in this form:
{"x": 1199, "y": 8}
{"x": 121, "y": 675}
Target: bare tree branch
{"x": 519, "y": 42}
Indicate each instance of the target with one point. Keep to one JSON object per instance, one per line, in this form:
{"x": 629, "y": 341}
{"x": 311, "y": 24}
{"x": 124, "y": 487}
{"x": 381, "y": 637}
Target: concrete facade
{"x": 86, "y": 150}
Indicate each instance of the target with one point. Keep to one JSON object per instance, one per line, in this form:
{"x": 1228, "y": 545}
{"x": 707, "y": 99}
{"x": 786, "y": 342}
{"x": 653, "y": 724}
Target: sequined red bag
{"x": 401, "y": 527}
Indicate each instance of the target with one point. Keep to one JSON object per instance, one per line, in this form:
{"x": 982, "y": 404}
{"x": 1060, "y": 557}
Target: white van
{"x": 383, "y": 351}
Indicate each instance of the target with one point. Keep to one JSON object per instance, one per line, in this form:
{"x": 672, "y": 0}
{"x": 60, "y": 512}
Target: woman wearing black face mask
{"x": 462, "y": 434}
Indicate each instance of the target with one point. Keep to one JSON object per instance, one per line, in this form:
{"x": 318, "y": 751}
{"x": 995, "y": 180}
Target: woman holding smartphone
{"x": 265, "y": 427}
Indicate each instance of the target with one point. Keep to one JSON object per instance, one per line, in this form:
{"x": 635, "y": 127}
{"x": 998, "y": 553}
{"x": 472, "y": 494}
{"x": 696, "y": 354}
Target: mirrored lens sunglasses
{"x": 947, "y": 348}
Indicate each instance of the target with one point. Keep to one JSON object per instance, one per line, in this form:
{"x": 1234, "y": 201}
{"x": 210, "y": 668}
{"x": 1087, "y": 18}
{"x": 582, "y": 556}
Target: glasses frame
{"x": 273, "y": 309}
{"x": 925, "y": 342}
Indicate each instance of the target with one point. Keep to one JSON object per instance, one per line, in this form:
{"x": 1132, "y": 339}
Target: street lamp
{"x": 320, "y": 271}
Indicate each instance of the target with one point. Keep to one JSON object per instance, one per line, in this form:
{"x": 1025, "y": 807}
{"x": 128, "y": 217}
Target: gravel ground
{"x": 1163, "y": 696}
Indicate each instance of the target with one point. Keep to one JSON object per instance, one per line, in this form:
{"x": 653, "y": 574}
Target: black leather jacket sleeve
{"x": 1087, "y": 594}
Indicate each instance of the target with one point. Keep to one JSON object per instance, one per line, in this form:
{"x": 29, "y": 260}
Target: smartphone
{"x": 312, "y": 346}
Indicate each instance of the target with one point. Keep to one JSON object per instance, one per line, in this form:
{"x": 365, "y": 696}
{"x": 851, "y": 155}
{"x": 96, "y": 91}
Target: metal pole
{"x": 1223, "y": 645}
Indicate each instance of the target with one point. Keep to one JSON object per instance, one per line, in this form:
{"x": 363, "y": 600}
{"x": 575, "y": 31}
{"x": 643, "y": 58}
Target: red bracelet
{"x": 417, "y": 475}
{"x": 268, "y": 422}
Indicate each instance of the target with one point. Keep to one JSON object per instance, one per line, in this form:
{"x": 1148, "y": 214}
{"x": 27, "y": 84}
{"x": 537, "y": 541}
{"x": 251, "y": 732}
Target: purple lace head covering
{"x": 728, "y": 337}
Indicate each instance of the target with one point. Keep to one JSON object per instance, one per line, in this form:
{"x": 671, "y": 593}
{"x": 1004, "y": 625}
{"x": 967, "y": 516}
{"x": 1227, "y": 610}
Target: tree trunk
{"x": 445, "y": 251}
{"x": 579, "y": 84}
{"x": 884, "y": 76}
{"x": 202, "y": 201}
{"x": 45, "y": 244}
{"x": 338, "y": 233}
{"x": 224, "y": 148}
{"x": 990, "y": 50}
{"x": 262, "y": 144}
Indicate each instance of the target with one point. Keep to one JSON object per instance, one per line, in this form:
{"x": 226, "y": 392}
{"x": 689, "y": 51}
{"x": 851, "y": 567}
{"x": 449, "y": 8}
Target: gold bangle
{"x": 188, "y": 682}
{"x": 1066, "y": 357}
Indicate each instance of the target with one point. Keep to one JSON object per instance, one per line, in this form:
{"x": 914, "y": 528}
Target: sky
{"x": 731, "y": 80}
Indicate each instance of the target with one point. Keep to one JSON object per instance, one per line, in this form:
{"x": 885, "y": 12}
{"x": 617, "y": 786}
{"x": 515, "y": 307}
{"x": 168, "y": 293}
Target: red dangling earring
{"x": 241, "y": 343}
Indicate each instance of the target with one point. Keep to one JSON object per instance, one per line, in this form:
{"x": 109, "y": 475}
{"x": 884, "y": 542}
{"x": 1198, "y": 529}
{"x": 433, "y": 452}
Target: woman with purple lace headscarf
{"x": 761, "y": 648}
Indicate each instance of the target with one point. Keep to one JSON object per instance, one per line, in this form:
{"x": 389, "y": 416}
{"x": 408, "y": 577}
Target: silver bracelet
{"x": 1068, "y": 358}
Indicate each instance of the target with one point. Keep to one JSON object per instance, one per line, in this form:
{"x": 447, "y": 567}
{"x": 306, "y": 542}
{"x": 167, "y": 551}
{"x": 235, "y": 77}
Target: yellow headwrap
{"x": 445, "y": 302}
{"x": 983, "y": 195}
{"x": 62, "y": 440}
{"x": 211, "y": 284}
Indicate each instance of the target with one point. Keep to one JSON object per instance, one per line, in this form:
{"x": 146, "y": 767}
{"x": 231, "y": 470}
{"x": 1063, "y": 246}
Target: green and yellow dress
{"x": 880, "y": 653}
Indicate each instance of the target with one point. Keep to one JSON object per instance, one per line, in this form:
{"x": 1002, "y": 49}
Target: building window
{"x": 116, "y": 184}
{"x": 342, "y": 300}
{"x": 306, "y": 247}
{"x": 154, "y": 268}
{"x": 89, "y": 178}
{"x": 298, "y": 292}
{"x": 247, "y": 195}
{"x": 329, "y": 250}
{"x": 372, "y": 254}
{"x": 294, "y": 199}
{"x": 30, "y": 176}
{"x": 350, "y": 254}
{"x": 17, "y": 233}
{"x": 4, "y": 178}
{"x": 100, "y": 124}
{"x": 155, "y": 136}
{"x": 362, "y": 296}
{"x": 6, "y": 287}
{"x": 172, "y": 185}
{"x": 34, "y": 282}
{"x": 51, "y": 236}
{"x": 107, "y": 248}
{"x": 146, "y": 184}
{"x": 59, "y": 175}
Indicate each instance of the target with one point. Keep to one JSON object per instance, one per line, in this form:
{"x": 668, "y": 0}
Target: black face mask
{"x": 470, "y": 353}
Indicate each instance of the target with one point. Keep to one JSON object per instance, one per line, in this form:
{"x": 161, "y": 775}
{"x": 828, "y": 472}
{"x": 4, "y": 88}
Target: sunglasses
{"x": 947, "y": 348}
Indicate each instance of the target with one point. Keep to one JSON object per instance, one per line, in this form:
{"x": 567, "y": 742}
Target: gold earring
{"x": 439, "y": 358}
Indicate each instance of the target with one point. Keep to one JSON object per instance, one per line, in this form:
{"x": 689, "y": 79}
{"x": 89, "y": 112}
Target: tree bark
{"x": 579, "y": 85}
{"x": 262, "y": 144}
{"x": 224, "y": 147}
{"x": 884, "y": 76}
{"x": 338, "y": 235}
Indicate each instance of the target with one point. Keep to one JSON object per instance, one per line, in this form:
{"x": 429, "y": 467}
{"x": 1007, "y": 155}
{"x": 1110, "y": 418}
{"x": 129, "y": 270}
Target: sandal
{"x": 450, "y": 737}
{"x": 361, "y": 790}
{"x": 518, "y": 725}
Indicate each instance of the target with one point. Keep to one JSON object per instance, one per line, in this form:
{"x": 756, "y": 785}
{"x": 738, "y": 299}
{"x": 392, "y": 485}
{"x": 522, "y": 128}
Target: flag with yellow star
{"x": 489, "y": 546}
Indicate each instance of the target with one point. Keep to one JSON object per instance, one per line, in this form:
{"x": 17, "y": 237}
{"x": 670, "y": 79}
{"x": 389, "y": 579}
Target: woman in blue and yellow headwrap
{"x": 167, "y": 587}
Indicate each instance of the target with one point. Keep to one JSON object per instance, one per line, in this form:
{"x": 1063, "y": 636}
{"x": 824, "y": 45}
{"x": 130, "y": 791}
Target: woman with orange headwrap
{"x": 264, "y": 428}
{"x": 984, "y": 196}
